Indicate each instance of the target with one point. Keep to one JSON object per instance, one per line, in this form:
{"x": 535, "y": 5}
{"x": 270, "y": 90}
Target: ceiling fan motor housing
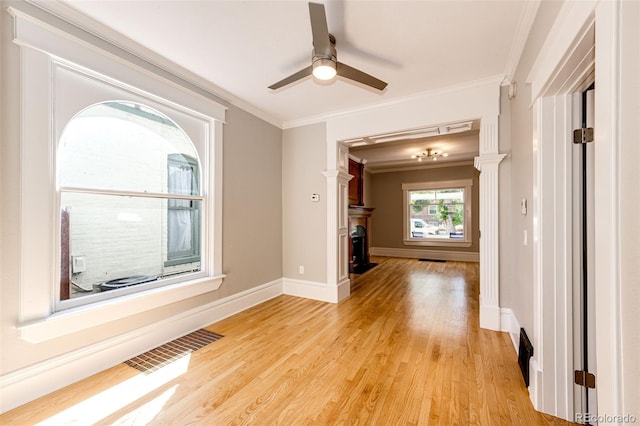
{"x": 329, "y": 53}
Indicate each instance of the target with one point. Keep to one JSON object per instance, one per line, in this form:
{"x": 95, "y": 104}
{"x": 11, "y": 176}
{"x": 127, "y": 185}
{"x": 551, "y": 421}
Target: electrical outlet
{"x": 78, "y": 264}
{"x": 301, "y": 270}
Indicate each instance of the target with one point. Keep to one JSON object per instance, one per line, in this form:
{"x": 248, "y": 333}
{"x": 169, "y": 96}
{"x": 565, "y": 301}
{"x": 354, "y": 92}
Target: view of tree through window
{"x": 130, "y": 200}
{"x": 437, "y": 213}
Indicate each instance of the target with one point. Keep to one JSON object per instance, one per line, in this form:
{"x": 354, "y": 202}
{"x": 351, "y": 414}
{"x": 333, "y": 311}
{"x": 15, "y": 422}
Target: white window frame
{"x": 51, "y": 49}
{"x": 408, "y": 239}
{"x": 174, "y": 259}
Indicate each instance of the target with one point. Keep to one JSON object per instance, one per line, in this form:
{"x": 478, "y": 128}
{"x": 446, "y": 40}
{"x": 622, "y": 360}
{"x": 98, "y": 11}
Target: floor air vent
{"x": 157, "y": 358}
{"x": 525, "y": 352}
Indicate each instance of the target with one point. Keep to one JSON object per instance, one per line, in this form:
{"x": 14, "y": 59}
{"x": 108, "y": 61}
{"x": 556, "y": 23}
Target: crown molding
{"x": 525, "y": 23}
{"x": 409, "y": 167}
{"x": 149, "y": 59}
{"x": 493, "y": 80}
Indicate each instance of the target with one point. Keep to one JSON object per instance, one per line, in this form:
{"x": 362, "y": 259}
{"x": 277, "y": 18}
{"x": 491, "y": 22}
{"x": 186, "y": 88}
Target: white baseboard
{"x": 459, "y": 256}
{"x": 535, "y": 384}
{"x": 342, "y": 291}
{"x": 509, "y": 323}
{"x": 27, "y": 384}
{"x": 316, "y": 290}
{"x": 307, "y": 289}
{"x": 490, "y": 317}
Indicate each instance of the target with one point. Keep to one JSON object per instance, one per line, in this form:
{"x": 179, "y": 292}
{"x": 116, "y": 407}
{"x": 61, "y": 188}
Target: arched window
{"x": 131, "y": 201}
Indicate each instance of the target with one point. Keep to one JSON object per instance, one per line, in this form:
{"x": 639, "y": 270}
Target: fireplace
{"x": 359, "y": 255}
{"x": 359, "y": 236}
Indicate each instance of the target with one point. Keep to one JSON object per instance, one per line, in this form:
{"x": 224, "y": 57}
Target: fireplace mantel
{"x": 360, "y": 211}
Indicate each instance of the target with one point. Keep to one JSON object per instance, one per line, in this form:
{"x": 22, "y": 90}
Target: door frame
{"x": 568, "y": 64}
{"x": 479, "y": 100}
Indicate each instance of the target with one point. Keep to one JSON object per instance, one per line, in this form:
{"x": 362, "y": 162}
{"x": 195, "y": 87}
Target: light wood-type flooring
{"x": 404, "y": 349}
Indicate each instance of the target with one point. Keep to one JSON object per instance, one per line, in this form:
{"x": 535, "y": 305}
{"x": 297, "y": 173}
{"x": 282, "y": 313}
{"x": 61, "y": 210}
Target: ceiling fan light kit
{"x": 324, "y": 69}
{"x": 324, "y": 60}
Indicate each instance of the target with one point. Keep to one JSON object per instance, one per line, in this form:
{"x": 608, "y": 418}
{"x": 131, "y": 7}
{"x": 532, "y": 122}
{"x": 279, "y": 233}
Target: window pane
{"x": 437, "y": 214}
{"x": 125, "y": 238}
{"x": 121, "y": 146}
{"x": 183, "y": 223}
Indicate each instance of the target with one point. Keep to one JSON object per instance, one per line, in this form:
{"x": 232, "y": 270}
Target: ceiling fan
{"x": 324, "y": 62}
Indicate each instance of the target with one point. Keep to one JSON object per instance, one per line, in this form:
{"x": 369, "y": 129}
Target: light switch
{"x": 315, "y": 197}
{"x": 525, "y": 239}
{"x": 523, "y": 206}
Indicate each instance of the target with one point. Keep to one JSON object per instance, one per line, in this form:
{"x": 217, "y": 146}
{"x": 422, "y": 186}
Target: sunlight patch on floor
{"x": 100, "y": 406}
{"x": 147, "y": 412}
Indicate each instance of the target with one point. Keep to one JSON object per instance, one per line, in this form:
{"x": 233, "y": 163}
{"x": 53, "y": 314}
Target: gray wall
{"x": 517, "y": 293}
{"x": 386, "y": 198}
{"x": 304, "y": 221}
{"x": 505, "y": 201}
{"x": 252, "y": 210}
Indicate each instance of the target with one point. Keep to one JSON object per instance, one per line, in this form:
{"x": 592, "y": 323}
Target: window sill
{"x": 85, "y": 317}
{"x": 437, "y": 243}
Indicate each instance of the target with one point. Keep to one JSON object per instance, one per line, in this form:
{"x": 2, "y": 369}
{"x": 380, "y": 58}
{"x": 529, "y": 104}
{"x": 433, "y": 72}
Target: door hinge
{"x": 583, "y": 135}
{"x": 586, "y": 379}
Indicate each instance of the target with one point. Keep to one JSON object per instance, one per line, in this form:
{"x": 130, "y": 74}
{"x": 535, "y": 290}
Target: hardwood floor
{"x": 405, "y": 348}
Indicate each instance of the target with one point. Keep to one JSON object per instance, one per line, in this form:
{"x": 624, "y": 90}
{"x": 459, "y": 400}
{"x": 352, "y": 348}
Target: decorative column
{"x": 338, "y": 284}
{"x": 488, "y": 164}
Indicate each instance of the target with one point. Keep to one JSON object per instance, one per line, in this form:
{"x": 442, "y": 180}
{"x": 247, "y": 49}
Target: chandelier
{"x": 429, "y": 154}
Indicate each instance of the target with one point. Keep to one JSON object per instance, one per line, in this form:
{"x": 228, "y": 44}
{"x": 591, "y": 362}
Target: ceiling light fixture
{"x": 324, "y": 69}
{"x": 429, "y": 154}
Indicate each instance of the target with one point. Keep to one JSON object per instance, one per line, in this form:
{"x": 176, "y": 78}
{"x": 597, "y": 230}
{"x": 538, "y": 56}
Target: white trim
{"x": 564, "y": 65}
{"x": 303, "y": 288}
{"x": 510, "y": 324}
{"x": 527, "y": 18}
{"x": 438, "y": 184}
{"x": 74, "y": 45}
{"x": 29, "y": 383}
{"x": 391, "y": 167}
{"x": 91, "y": 315}
{"x": 434, "y": 242}
{"x": 409, "y": 240}
{"x": 535, "y": 382}
{"x": 553, "y": 253}
{"x": 460, "y": 256}
{"x": 337, "y": 178}
{"x": 613, "y": 121}
{"x": 135, "y": 53}
{"x": 317, "y": 290}
{"x": 49, "y": 46}
{"x": 478, "y": 101}
{"x": 395, "y": 102}
{"x": 489, "y": 165}
{"x": 568, "y": 30}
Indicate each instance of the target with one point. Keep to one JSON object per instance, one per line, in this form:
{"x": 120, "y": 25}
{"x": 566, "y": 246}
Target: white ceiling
{"x": 242, "y": 47}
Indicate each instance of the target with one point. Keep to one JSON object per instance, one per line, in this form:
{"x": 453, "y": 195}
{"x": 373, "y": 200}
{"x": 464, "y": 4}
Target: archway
{"x": 476, "y": 102}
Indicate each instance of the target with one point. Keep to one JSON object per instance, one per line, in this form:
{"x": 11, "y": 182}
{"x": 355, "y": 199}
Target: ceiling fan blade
{"x": 293, "y": 77}
{"x": 351, "y": 73}
{"x": 319, "y": 29}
